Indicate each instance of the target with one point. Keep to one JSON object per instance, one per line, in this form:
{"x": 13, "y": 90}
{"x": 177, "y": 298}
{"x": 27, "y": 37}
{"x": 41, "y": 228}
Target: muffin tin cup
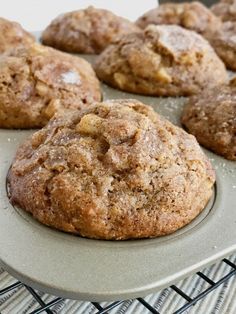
{"x": 96, "y": 270}
{"x": 78, "y": 268}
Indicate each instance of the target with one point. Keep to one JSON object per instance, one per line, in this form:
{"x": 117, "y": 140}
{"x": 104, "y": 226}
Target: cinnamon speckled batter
{"x": 12, "y": 35}
{"x": 162, "y": 60}
{"x": 36, "y": 82}
{"x": 86, "y": 31}
{"x": 113, "y": 170}
{"x": 211, "y": 117}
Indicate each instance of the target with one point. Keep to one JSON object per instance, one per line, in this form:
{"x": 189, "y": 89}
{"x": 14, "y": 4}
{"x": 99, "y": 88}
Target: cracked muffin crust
{"x": 162, "y": 60}
{"x": 13, "y": 35}
{"x": 86, "y": 31}
{"x": 224, "y": 43}
{"x": 194, "y": 16}
{"x": 113, "y": 170}
{"x": 36, "y": 82}
{"x": 225, "y": 9}
{"x": 211, "y": 117}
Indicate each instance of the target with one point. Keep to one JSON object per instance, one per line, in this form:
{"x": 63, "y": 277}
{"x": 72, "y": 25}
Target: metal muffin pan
{"x": 73, "y": 267}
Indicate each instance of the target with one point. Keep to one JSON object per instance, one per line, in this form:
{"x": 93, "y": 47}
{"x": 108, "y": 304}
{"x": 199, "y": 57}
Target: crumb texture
{"x": 223, "y": 41}
{"x": 162, "y": 60}
{"x": 191, "y": 15}
{"x": 211, "y": 117}
{"x": 86, "y": 31}
{"x": 225, "y": 9}
{"x": 12, "y": 35}
{"x": 36, "y": 82}
{"x": 113, "y": 170}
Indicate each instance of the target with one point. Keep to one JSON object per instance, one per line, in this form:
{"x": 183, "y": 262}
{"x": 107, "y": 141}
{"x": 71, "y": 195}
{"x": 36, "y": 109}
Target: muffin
{"x": 223, "y": 41}
{"x": 86, "y": 31}
{"x": 211, "y": 117}
{"x": 194, "y": 16}
{"x": 162, "y": 60}
{"x": 37, "y": 81}
{"x": 225, "y": 9}
{"x": 12, "y": 35}
{"x": 113, "y": 170}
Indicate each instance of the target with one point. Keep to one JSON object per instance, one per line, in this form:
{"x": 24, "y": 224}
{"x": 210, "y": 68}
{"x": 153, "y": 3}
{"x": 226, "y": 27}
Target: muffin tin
{"x": 95, "y": 270}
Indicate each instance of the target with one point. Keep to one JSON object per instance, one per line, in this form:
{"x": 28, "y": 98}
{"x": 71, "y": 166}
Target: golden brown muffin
{"x": 37, "y": 81}
{"x": 223, "y": 41}
{"x": 211, "y": 117}
{"x": 13, "y": 35}
{"x": 225, "y": 9}
{"x": 114, "y": 170}
{"x": 194, "y": 16}
{"x": 86, "y": 31}
{"x": 162, "y": 60}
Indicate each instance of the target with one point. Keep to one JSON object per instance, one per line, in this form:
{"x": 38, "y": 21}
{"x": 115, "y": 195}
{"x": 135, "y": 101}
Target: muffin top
{"x": 223, "y": 41}
{"x": 113, "y": 170}
{"x": 86, "y": 31}
{"x": 162, "y": 60}
{"x": 37, "y": 81}
{"x": 225, "y": 9}
{"x": 13, "y": 35}
{"x": 211, "y": 117}
{"x": 226, "y": 34}
{"x": 194, "y": 16}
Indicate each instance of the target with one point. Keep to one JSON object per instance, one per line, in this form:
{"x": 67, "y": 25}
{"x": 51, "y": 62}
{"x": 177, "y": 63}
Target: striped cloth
{"x": 220, "y": 301}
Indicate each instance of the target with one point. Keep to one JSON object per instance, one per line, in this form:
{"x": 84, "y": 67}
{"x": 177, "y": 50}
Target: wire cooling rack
{"x": 46, "y": 307}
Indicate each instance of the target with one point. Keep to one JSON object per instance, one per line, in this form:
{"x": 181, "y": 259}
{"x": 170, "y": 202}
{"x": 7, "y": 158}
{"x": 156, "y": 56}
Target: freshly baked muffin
{"x": 194, "y": 16}
{"x": 225, "y": 9}
{"x": 162, "y": 60}
{"x": 37, "y": 81}
{"x": 86, "y": 31}
{"x": 223, "y": 41}
{"x": 113, "y": 170}
{"x": 211, "y": 117}
{"x": 13, "y": 35}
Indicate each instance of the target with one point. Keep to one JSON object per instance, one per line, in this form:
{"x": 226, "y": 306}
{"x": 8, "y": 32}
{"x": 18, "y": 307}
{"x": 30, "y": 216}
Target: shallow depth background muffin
{"x": 37, "y": 81}
{"x": 86, "y": 31}
{"x": 162, "y": 60}
{"x": 225, "y": 9}
{"x": 223, "y": 41}
{"x": 12, "y": 35}
{"x": 211, "y": 117}
{"x": 194, "y": 16}
{"x": 114, "y": 170}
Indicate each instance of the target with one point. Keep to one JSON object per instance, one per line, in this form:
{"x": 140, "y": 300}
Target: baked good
{"x": 225, "y": 9}
{"x": 191, "y": 15}
{"x": 223, "y": 41}
{"x": 211, "y": 117}
{"x": 232, "y": 82}
{"x": 37, "y": 81}
{"x": 113, "y": 170}
{"x": 13, "y": 35}
{"x": 162, "y": 60}
{"x": 86, "y": 31}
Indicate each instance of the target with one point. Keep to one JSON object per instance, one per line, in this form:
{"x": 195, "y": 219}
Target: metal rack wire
{"x": 44, "y": 307}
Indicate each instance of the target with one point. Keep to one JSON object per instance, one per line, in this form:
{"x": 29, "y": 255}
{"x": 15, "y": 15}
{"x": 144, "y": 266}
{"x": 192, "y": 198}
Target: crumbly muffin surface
{"x": 36, "y": 82}
{"x": 114, "y": 170}
{"x": 86, "y": 31}
{"x": 12, "y": 35}
{"x": 223, "y": 41}
{"x": 162, "y": 60}
{"x": 211, "y": 117}
{"x": 191, "y": 15}
{"x": 225, "y": 9}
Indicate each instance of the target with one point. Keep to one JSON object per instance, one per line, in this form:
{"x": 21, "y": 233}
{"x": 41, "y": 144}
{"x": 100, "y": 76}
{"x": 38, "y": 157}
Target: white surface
{"x": 37, "y": 14}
